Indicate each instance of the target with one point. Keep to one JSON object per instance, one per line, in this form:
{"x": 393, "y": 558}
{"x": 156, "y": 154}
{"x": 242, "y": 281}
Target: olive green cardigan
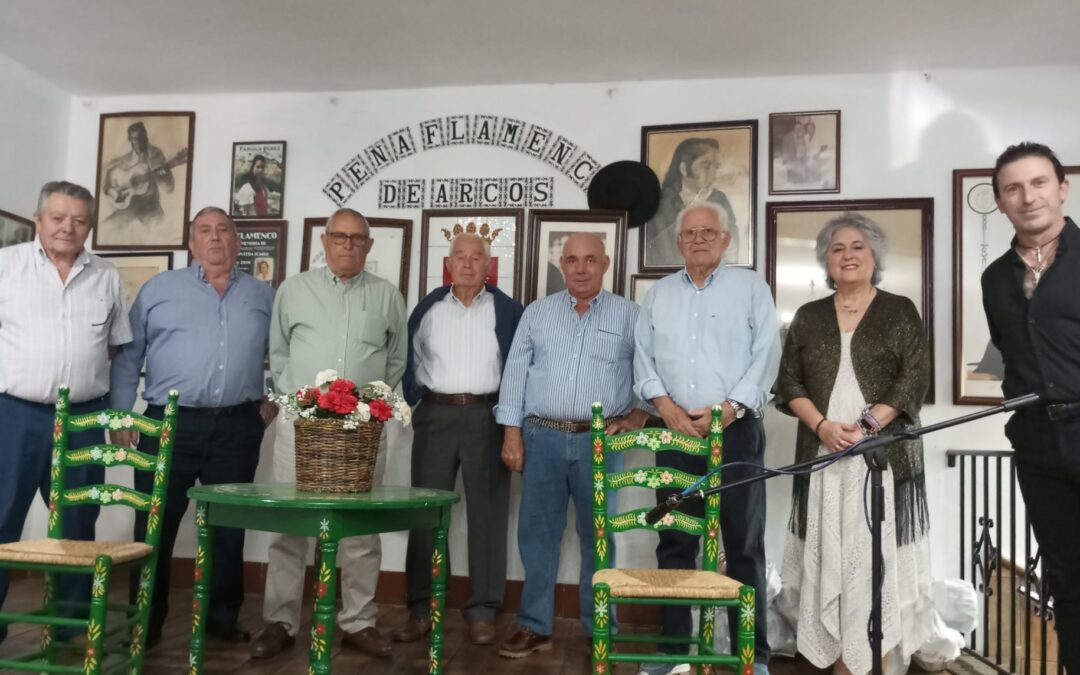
{"x": 889, "y": 356}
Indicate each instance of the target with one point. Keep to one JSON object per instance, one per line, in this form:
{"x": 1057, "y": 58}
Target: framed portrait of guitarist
{"x": 144, "y": 180}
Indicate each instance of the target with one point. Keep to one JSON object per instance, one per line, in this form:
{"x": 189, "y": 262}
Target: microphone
{"x": 661, "y": 510}
{"x": 1020, "y": 402}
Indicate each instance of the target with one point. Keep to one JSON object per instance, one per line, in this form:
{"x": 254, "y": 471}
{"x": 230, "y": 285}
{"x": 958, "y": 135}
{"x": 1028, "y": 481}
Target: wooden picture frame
{"x": 257, "y": 183}
{"x": 15, "y": 229}
{"x": 981, "y": 234}
{"x": 548, "y": 229}
{"x": 389, "y": 255}
{"x": 796, "y": 277}
{"x": 143, "y": 189}
{"x": 718, "y": 162}
{"x": 439, "y": 226}
{"x": 263, "y": 248}
{"x": 137, "y": 268}
{"x": 641, "y": 283}
{"x": 804, "y": 152}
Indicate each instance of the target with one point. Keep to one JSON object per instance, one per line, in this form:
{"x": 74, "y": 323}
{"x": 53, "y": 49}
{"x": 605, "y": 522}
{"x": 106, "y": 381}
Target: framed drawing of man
{"x": 262, "y": 249}
{"x": 981, "y": 234}
{"x": 257, "y": 187}
{"x": 15, "y": 229}
{"x": 144, "y": 180}
{"x": 548, "y": 231}
{"x": 388, "y": 257}
{"x": 804, "y": 152}
{"x": 712, "y": 162}
{"x": 503, "y": 229}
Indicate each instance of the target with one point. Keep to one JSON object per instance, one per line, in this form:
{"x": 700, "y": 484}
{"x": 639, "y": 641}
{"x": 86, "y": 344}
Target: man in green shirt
{"x": 345, "y": 319}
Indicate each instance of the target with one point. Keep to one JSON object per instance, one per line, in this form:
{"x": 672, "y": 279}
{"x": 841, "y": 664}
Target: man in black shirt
{"x": 1031, "y": 295}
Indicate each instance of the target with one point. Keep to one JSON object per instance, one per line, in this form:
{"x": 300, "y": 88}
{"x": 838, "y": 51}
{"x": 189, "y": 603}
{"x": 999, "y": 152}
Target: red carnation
{"x": 381, "y": 410}
{"x": 343, "y": 386}
{"x": 338, "y": 403}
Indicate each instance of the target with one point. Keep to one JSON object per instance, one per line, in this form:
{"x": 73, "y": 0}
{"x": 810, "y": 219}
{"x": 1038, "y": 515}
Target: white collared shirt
{"x": 456, "y": 348}
{"x": 55, "y": 332}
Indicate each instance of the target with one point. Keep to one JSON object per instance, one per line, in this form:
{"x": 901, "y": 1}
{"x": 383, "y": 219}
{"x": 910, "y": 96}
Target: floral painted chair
{"x": 114, "y": 647}
{"x": 706, "y": 588}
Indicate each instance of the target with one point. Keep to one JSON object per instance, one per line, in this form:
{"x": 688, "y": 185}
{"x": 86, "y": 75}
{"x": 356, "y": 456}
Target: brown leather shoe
{"x": 412, "y": 630}
{"x": 524, "y": 642}
{"x": 272, "y": 641}
{"x": 482, "y": 633}
{"x": 369, "y": 641}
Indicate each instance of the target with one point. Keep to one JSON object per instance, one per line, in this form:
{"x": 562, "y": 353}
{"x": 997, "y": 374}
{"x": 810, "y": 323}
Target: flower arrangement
{"x": 334, "y": 397}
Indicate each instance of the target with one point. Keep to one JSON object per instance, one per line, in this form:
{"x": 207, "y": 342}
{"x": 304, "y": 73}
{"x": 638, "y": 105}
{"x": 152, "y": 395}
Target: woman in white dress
{"x": 855, "y": 363}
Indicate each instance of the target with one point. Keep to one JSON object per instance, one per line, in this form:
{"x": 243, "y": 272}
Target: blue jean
{"x": 26, "y": 441}
{"x": 558, "y": 467}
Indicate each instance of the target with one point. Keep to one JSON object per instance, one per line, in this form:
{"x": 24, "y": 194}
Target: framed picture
{"x": 262, "y": 249}
{"x": 144, "y": 180}
{"x": 548, "y": 231}
{"x": 504, "y": 229}
{"x": 257, "y": 188}
{"x": 137, "y": 268}
{"x": 981, "y": 234}
{"x": 713, "y": 162}
{"x": 15, "y": 229}
{"x": 641, "y": 283}
{"x": 793, "y": 272}
{"x": 804, "y": 152}
{"x": 389, "y": 255}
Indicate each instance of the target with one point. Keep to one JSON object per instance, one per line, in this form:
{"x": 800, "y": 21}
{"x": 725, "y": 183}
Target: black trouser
{"x": 1052, "y": 499}
{"x": 211, "y": 448}
{"x": 448, "y": 437}
{"x": 742, "y": 529}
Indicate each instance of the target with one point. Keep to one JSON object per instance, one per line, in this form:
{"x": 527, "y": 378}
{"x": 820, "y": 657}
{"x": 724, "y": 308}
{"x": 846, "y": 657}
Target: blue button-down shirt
{"x": 702, "y": 346}
{"x": 209, "y": 347}
{"x": 560, "y": 363}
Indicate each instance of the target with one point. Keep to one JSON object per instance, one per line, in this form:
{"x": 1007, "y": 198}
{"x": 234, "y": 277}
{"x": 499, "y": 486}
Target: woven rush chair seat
{"x": 71, "y": 552}
{"x": 654, "y": 583}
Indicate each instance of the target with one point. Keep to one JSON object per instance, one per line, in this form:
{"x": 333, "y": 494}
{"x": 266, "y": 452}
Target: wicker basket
{"x": 331, "y": 458}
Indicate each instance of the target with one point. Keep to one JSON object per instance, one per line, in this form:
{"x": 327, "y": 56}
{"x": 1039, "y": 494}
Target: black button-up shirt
{"x": 1039, "y": 340}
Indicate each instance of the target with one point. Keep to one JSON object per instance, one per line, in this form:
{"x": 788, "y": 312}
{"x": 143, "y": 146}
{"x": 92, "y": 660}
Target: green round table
{"x": 329, "y": 517}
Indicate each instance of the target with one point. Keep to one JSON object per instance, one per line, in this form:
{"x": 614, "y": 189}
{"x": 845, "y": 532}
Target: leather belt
{"x": 1062, "y": 411}
{"x": 565, "y": 426}
{"x": 461, "y": 399}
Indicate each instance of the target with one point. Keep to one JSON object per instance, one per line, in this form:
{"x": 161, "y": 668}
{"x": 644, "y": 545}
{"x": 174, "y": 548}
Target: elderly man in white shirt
{"x": 62, "y": 317}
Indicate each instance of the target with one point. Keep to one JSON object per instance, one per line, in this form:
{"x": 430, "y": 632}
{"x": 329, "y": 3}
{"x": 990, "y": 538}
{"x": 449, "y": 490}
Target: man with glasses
{"x": 708, "y": 335}
{"x": 341, "y": 318}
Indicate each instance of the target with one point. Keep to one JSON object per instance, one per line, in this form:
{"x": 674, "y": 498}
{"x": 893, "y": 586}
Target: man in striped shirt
{"x": 62, "y": 317}
{"x": 571, "y": 349}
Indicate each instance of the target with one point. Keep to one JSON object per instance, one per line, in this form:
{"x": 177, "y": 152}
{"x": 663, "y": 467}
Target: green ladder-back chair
{"x": 706, "y": 588}
{"x": 113, "y": 648}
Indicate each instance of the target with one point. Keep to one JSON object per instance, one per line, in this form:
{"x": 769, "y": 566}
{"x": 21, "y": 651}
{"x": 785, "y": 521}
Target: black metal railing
{"x": 1016, "y": 631}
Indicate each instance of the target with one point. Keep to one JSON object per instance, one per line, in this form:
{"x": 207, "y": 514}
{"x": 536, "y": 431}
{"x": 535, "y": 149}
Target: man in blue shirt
{"x": 708, "y": 335}
{"x": 571, "y": 349}
{"x": 202, "y": 330}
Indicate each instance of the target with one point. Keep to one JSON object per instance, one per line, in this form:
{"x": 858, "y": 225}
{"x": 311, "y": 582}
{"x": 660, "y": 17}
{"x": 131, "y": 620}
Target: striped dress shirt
{"x": 55, "y": 332}
{"x": 456, "y": 348}
{"x": 560, "y": 363}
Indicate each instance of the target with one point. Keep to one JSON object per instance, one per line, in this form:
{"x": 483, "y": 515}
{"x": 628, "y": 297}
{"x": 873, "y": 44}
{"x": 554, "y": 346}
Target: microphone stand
{"x": 873, "y": 450}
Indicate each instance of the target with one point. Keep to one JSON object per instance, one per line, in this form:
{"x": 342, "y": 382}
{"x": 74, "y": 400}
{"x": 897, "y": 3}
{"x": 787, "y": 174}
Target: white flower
{"x": 325, "y": 377}
{"x": 363, "y": 411}
{"x": 115, "y": 423}
{"x": 106, "y": 498}
{"x": 95, "y": 452}
{"x": 117, "y": 494}
{"x": 102, "y": 419}
{"x": 639, "y": 476}
{"x": 127, "y": 422}
{"x": 94, "y": 494}
{"x": 108, "y": 457}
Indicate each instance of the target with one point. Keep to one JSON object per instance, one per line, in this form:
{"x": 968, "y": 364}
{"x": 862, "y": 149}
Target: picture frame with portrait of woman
{"x": 15, "y": 229}
{"x": 389, "y": 255}
{"x": 714, "y": 162}
{"x": 548, "y": 231}
{"x": 796, "y": 277}
{"x": 257, "y": 184}
{"x": 503, "y": 229}
{"x": 263, "y": 249}
{"x": 804, "y": 152}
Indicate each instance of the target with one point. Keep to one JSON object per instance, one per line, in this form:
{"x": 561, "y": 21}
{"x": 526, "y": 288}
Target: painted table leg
{"x": 200, "y": 603}
{"x": 438, "y": 599}
{"x": 322, "y": 623}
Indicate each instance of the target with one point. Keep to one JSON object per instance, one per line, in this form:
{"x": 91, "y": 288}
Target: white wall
{"x": 903, "y": 134}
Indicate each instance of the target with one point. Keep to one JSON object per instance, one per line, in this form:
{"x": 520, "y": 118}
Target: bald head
{"x": 584, "y": 264}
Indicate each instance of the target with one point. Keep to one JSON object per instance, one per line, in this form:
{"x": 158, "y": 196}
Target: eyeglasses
{"x": 707, "y": 233}
{"x": 339, "y": 238}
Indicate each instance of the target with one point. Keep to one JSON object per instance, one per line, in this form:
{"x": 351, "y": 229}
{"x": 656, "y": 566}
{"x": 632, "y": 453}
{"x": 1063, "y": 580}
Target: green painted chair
{"x": 706, "y": 588}
{"x": 108, "y": 648}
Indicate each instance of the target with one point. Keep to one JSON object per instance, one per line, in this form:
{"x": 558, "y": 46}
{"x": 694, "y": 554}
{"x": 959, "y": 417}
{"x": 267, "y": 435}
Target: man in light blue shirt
{"x": 708, "y": 335}
{"x": 202, "y": 330}
{"x": 571, "y": 349}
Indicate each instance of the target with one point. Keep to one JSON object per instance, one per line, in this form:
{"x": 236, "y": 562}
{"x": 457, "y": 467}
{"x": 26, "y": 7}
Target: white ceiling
{"x": 108, "y": 47}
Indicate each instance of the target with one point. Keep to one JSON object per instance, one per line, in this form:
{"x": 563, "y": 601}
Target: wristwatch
{"x": 739, "y": 408}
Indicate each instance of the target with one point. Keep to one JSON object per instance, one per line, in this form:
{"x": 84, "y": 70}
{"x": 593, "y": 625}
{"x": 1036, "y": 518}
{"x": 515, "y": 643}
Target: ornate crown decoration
{"x": 485, "y": 231}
